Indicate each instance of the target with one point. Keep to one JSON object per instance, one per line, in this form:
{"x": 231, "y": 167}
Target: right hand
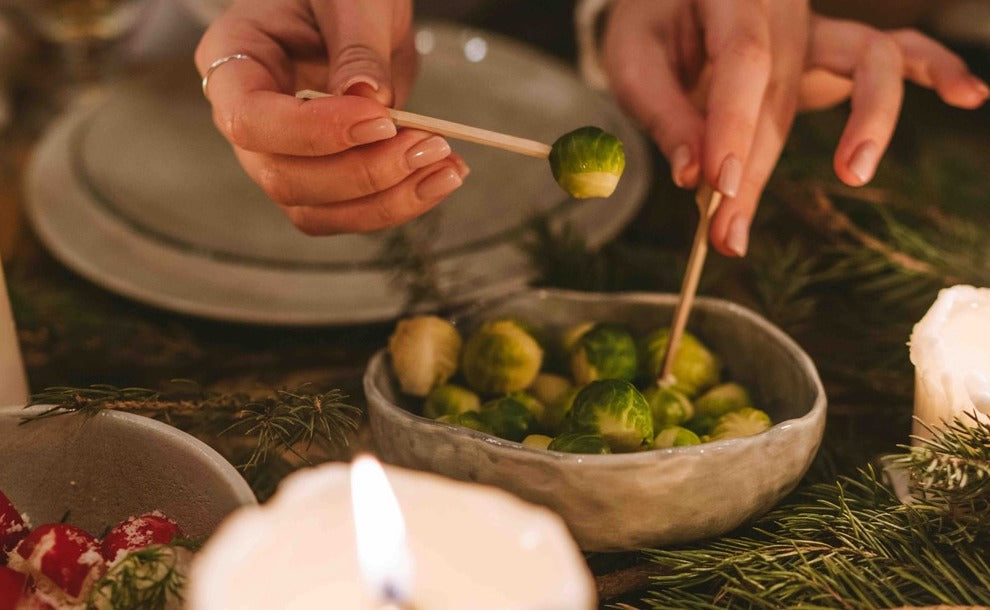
{"x": 336, "y": 164}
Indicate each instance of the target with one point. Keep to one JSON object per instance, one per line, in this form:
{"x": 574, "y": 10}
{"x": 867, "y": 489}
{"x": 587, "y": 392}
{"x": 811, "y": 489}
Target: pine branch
{"x": 852, "y": 544}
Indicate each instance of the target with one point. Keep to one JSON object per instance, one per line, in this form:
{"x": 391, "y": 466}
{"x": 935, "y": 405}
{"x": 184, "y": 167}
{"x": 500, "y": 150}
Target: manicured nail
{"x": 438, "y": 184}
{"x": 730, "y": 176}
{"x": 679, "y": 160}
{"x": 980, "y": 86}
{"x": 428, "y": 151}
{"x": 737, "y": 237}
{"x": 864, "y": 161}
{"x": 373, "y": 130}
{"x": 359, "y": 79}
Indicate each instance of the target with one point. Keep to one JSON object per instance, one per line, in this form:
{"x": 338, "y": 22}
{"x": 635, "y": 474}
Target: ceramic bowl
{"x": 631, "y": 500}
{"x": 99, "y": 470}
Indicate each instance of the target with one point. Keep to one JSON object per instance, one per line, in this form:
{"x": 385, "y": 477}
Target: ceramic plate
{"x": 138, "y": 192}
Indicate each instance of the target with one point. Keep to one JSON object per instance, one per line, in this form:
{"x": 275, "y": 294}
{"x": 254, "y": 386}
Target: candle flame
{"x": 383, "y": 554}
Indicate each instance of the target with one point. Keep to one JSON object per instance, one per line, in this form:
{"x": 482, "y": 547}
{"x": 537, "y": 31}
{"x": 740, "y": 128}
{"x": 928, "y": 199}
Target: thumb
{"x": 358, "y": 38}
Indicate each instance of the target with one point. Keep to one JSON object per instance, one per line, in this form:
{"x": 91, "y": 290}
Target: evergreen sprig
{"x": 853, "y": 543}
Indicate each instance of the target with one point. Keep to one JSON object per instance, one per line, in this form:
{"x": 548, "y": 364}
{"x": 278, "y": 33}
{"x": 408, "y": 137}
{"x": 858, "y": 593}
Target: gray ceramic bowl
{"x": 102, "y": 469}
{"x": 632, "y": 500}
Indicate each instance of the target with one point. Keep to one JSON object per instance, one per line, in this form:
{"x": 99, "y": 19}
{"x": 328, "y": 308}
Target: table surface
{"x": 73, "y": 333}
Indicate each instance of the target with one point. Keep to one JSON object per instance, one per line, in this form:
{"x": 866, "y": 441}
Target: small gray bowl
{"x": 102, "y": 469}
{"x": 631, "y": 500}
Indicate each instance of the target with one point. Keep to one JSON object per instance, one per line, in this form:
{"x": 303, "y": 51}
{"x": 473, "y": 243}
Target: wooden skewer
{"x": 450, "y": 129}
{"x": 708, "y": 201}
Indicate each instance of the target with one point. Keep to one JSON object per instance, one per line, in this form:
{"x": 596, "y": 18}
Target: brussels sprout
{"x": 532, "y": 404}
{"x": 468, "y": 419}
{"x": 508, "y": 418}
{"x": 537, "y": 441}
{"x": 548, "y": 387}
{"x": 701, "y": 424}
{"x": 587, "y": 162}
{"x": 450, "y": 399}
{"x": 695, "y": 367}
{"x": 556, "y": 411}
{"x": 424, "y": 351}
{"x": 501, "y": 357}
{"x": 675, "y": 436}
{"x": 606, "y": 351}
{"x": 669, "y": 407}
{"x": 744, "y": 422}
{"x": 615, "y": 409}
{"x": 570, "y": 336}
{"x": 721, "y": 399}
{"x": 579, "y": 442}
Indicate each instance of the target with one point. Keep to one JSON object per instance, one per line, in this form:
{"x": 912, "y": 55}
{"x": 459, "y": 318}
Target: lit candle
{"x": 329, "y": 539}
{"x": 950, "y": 349}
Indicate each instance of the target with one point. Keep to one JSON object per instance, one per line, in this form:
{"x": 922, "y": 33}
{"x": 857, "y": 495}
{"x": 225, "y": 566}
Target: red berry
{"x": 12, "y": 527}
{"x": 137, "y": 533}
{"x": 62, "y": 555}
{"x": 14, "y": 587}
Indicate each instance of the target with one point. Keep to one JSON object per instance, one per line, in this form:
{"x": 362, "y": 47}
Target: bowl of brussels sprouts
{"x": 553, "y": 396}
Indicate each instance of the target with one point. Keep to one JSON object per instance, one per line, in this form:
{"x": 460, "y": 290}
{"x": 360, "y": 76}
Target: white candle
{"x": 13, "y": 382}
{"x": 950, "y": 349}
{"x": 467, "y": 546}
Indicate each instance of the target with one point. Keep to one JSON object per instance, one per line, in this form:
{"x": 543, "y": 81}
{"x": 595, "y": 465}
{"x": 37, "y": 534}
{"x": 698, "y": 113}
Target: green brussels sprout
{"x": 695, "y": 368}
{"x": 468, "y": 419}
{"x": 701, "y": 424}
{"x": 570, "y": 336}
{"x": 537, "y": 441}
{"x": 721, "y": 399}
{"x": 669, "y": 407}
{"x": 556, "y": 411}
{"x": 450, "y": 399}
{"x": 548, "y": 387}
{"x": 532, "y": 404}
{"x": 675, "y": 436}
{"x": 615, "y": 409}
{"x": 587, "y": 162}
{"x": 579, "y": 442}
{"x": 424, "y": 351}
{"x": 606, "y": 351}
{"x": 508, "y": 418}
{"x": 743, "y": 422}
{"x": 501, "y": 357}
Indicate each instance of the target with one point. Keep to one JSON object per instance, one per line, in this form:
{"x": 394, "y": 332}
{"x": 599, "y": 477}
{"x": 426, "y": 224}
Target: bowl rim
{"x": 236, "y": 483}
{"x": 815, "y": 412}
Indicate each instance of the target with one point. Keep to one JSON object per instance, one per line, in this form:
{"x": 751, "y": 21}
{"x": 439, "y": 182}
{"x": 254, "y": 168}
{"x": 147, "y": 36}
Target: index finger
{"x": 254, "y": 105}
{"x": 737, "y": 38}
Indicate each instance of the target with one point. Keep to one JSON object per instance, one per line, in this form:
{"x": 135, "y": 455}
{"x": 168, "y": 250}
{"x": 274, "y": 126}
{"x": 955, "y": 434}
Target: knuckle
{"x": 752, "y": 49}
{"x": 385, "y": 214}
{"x": 271, "y": 180}
{"x": 884, "y": 46}
{"x": 233, "y": 124}
{"x": 369, "y": 179}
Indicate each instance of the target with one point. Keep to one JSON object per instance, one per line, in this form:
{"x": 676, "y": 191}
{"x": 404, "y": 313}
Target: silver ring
{"x": 219, "y": 62}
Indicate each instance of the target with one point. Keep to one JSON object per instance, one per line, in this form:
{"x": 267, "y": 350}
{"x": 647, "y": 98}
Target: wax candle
{"x": 13, "y": 383}
{"x": 459, "y": 545}
{"x": 950, "y": 350}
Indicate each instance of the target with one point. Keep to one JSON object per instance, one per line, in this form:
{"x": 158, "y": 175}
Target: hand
{"x": 334, "y": 164}
{"x": 717, "y": 84}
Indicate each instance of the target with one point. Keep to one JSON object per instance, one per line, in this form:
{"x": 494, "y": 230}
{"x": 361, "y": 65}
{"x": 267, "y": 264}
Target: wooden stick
{"x": 708, "y": 201}
{"x": 450, "y": 129}
{"x": 13, "y": 380}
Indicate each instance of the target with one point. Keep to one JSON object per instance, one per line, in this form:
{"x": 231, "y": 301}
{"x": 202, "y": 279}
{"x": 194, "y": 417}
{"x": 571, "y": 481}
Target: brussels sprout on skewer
{"x": 606, "y": 351}
{"x": 424, "y": 351}
{"x": 587, "y": 162}
{"x": 450, "y": 399}
{"x": 616, "y": 410}
{"x": 579, "y": 442}
{"x": 695, "y": 367}
{"x": 500, "y": 356}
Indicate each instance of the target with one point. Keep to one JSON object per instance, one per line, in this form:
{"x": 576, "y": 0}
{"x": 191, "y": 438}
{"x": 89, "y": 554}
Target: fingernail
{"x": 864, "y": 161}
{"x": 980, "y": 86}
{"x": 358, "y": 80}
{"x": 730, "y": 176}
{"x": 737, "y": 237}
{"x": 679, "y": 160}
{"x": 428, "y": 151}
{"x": 373, "y": 130}
{"x": 438, "y": 184}
{"x": 462, "y": 166}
